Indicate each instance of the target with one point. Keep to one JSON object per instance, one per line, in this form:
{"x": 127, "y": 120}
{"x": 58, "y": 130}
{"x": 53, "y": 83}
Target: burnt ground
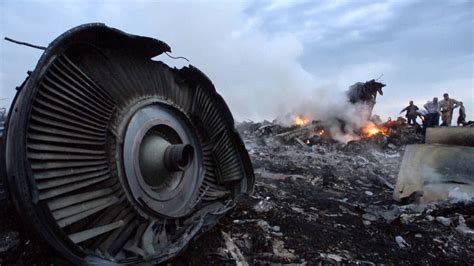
{"x": 334, "y": 205}
{"x": 327, "y": 203}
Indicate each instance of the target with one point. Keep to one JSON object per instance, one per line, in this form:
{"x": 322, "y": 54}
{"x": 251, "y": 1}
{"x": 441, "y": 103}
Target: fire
{"x": 371, "y": 130}
{"x": 321, "y": 132}
{"x": 300, "y": 120}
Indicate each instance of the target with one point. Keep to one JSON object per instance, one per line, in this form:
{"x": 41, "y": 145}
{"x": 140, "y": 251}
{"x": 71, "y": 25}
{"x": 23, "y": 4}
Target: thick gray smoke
{"x": 260, "y": 75}
{"x": 258, "y": 69}
{"x": 341, "y": 118}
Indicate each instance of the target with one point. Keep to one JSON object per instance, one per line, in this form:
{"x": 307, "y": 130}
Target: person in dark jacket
{"x": 411, "y": 113}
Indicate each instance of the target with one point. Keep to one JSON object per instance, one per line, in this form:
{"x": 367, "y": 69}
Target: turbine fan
{"x": 111, "y": 156}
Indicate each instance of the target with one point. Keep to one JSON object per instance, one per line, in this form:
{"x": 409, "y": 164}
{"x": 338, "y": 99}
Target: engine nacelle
{"x": 113, "y": 157}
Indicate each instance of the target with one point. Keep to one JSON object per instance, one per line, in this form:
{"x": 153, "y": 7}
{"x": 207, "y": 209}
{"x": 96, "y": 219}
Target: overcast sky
{"x": 269, "y": 57}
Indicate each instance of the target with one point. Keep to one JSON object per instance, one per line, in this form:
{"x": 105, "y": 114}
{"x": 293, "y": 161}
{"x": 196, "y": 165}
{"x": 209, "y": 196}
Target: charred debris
{"x": 317, "y": 199}
{"x": 321, "y": 201}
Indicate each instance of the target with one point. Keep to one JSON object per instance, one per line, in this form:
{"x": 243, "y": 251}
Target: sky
{"x": 270, "y": 58}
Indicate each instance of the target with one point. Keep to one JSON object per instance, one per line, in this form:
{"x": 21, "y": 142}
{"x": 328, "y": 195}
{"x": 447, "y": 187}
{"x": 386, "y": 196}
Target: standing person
{"x": 433, "y": 115}
{"x": 462, "y": 115}
{"x": 424, "y": 120}
{"x": 411, "y": 113}
{"x": 445, "y": 109}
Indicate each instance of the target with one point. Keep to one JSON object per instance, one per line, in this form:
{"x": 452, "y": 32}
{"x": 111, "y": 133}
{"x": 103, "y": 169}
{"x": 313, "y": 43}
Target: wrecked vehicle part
{"x": 432, "y": 171}
{"x": 4, "y": 199}
{"x": 113, "y": 157}
{"x": 365, "y": 93}
{"x": 463, "y": 136}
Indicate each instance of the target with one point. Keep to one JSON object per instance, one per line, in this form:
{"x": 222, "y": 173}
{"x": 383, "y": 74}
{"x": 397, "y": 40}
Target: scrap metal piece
{"x": 93, "y": 232}
{"x": 113, "y": 157}
{"x": 463, "y": 136}
{"x": 365, "y": 93}
{"x": 433, "y": 170}
{"x": 301, "y": 132}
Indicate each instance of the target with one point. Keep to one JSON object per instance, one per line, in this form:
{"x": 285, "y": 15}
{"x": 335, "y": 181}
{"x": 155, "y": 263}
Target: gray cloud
{"x": 423, "y": 48}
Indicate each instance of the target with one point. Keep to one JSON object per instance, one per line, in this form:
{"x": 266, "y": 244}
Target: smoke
{"x": 260, "y": 75}
{"x": 258, "y": 72}
{"x": 253, "y": 51}
{"x": 341, "y": 118}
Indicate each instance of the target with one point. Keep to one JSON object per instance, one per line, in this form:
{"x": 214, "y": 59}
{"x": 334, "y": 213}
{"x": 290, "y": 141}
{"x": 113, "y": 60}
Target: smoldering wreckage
{"x": 109, "y": 157}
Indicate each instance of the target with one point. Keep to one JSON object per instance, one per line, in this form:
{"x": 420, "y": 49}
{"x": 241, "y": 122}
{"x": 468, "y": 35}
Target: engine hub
{"x": 161, "y": 159}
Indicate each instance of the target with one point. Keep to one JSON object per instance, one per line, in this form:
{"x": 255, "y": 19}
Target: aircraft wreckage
{"x": 110, "y": 156}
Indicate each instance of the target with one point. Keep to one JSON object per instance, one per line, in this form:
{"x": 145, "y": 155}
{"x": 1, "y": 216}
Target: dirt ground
{"x": 327, "y": 203}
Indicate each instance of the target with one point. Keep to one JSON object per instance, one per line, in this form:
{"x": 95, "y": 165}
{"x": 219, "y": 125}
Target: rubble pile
{"x": 328, "y": 202}
{"x": 396, "y": 132}
{"x": 332, "y": 202}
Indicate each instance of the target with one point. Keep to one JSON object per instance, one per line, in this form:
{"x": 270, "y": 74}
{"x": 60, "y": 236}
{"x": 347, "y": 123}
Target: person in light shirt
{"x": 445, "y": 109}
{"x": 433, "y": 115}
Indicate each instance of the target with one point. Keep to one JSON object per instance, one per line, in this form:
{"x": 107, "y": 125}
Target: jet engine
{"x": 110, "y": 156}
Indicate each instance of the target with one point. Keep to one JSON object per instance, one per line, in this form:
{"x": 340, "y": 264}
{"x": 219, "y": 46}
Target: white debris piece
{"x": 361, "y": 160}
{"x": 234, "y": 250}
{"x": 333, "y": 257}
{"x": 443, "y": 220}
{"x": 463, "y": 228}
{"x": 297, "y": 209}
{"x": 401, "y": 242}
{"x": 263, "y": 206}
{"x": 280, "y": 250}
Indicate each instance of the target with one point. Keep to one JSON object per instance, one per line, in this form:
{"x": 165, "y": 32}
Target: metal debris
{"x": 438, "y": 170}
{"x": 401, "y": 242}
{"x": 116, "y": 158}
{"x": 234, "y": 250}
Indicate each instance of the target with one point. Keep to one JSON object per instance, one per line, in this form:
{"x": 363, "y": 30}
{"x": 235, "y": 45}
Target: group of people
{"x": 435, "y": 109}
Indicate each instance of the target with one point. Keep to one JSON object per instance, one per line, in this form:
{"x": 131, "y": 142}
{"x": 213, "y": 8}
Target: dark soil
{"x": 329, "y": 203}
{"x": 321, "y": 219}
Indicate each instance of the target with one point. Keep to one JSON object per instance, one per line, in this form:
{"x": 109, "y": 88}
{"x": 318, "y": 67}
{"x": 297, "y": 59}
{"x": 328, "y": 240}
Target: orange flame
{"x": 321, "y": 132}
{"x": 300, "y": 120}
{"x": 371, "y": 130}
